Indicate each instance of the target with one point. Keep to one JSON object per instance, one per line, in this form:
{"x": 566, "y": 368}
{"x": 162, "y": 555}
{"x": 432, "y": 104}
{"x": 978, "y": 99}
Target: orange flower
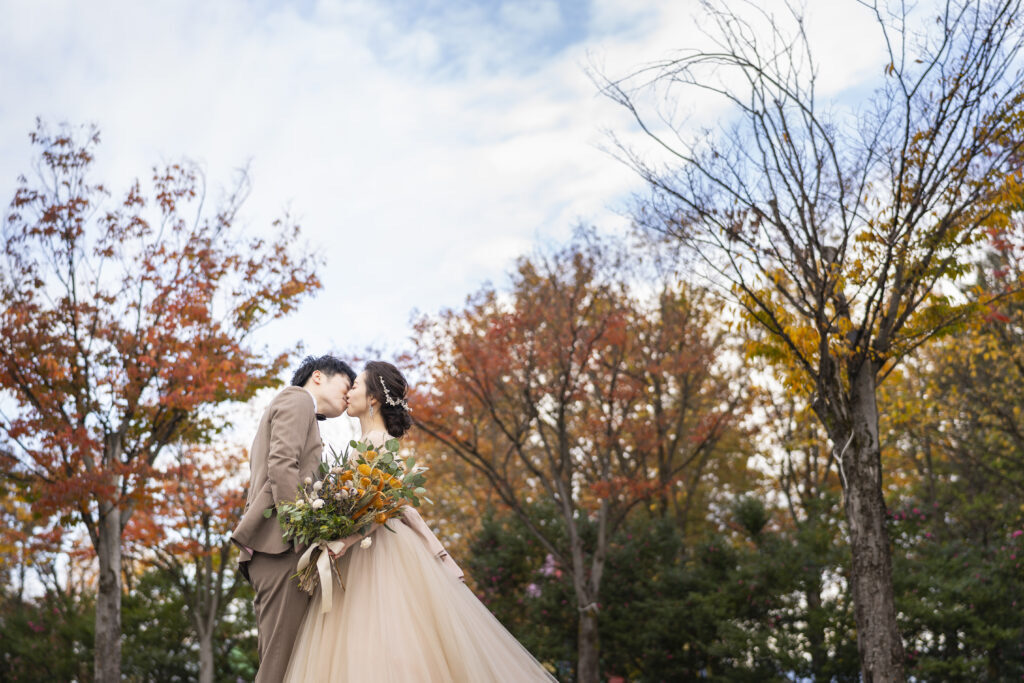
{"x": 364, "y": 469}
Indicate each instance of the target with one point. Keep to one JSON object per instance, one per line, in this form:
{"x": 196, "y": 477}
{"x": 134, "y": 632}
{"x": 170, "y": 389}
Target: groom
{"x": 286, "y": 450}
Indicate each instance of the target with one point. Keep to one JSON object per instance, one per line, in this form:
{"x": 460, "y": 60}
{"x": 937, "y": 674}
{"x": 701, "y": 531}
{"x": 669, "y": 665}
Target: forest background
{"x": 675, "y": 451}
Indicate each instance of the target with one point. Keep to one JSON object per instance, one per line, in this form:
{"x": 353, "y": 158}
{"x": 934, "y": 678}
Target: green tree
{"x": 160, "y": 641}
{"x": 47, "y": 638}
{"x": 725, "y": 606}
{"x": 804, "y": 477}
{"x": 959, "y": 595}
{"x": 519, "y": 581}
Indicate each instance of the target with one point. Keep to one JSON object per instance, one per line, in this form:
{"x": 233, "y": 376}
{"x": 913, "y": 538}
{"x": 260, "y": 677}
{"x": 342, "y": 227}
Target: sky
{"x": 423, "y": 145}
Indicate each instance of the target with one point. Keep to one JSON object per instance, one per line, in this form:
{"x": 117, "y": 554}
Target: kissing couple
{"x": 402, "y": 612}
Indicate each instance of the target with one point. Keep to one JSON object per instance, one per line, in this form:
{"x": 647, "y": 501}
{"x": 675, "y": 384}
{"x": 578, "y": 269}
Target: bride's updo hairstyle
{"x": 385, "y": 383}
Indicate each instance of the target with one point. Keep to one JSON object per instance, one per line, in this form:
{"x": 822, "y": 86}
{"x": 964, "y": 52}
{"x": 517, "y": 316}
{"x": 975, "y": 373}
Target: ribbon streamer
{"x": 412, "y": 519}
{"x": 323, "y": 567}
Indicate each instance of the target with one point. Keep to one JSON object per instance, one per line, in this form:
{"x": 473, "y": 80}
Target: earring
{"x": 371, "y": 411}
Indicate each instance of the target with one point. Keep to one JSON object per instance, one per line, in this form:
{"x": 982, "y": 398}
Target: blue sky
{"x": 423, "y": 145}
{"x": 518, "y": 36}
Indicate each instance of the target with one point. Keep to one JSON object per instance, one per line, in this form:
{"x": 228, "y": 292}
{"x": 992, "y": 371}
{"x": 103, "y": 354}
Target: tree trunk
{"x": 816, "y": 629}
{"x": 585, "y": 587}
{"x": 107, "y": 660}
{"x": 588, "y": 646}
{"x": 878, "y": 638}
{"x": 206, "y": 668}
{"x": 22, "y": 568}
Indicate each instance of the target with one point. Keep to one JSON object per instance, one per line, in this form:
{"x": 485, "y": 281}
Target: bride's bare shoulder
{"x": 376, "y": 438}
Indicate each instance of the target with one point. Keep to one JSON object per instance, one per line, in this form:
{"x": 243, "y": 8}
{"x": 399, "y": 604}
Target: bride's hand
{"x": 350, "y": 541}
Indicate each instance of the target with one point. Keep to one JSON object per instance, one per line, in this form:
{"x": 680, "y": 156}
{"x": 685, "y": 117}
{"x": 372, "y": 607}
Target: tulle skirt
{"x": 404, "y": 618}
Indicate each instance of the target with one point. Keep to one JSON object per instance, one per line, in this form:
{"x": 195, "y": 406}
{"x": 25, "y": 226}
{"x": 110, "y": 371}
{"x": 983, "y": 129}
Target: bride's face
{"x": 358, "y": 400}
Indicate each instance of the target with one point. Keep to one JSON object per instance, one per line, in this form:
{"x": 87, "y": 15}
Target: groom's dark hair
{"x": 328, "y": 364}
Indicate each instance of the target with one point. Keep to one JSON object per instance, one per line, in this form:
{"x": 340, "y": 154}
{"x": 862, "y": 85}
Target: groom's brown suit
{"x": 286, "y": 450}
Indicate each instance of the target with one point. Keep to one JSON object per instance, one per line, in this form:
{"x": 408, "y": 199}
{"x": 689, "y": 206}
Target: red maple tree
{"x": 123, "y": 324}
{"x": 576, "y": 390}
{"x": 185, "y": 532}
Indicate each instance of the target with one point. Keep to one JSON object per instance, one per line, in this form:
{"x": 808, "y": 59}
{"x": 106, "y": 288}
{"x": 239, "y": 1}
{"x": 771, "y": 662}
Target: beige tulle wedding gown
{"x": 406, "y": 617}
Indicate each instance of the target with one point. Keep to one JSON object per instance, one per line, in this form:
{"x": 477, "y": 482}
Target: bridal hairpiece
{"x": 392, "y": 401}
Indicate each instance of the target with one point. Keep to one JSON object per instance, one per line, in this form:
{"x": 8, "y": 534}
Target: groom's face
{"x": 332, "y": 400}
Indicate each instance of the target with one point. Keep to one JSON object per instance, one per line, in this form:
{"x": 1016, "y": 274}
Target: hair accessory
{"x": 391, "y": 401}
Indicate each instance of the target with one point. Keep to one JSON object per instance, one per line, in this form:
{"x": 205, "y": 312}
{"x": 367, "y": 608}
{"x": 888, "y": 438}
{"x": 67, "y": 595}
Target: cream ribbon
{"x": 323, "y": 567}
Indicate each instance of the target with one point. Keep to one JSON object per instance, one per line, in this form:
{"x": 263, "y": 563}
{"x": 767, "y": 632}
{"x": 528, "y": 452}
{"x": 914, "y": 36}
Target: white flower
{"x": 300, "y": 503}
{"x": 317, "y": 485}
{"x": 339, "y": 496}
{"x": 366, "y": 542}
{"x": 337, "y": 469}
{"x": 308, "y": 480}
{"x": 317, "y": 504}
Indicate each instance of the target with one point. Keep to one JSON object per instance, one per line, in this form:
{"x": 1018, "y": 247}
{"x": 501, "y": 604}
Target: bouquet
{"x": 352, "y": 494}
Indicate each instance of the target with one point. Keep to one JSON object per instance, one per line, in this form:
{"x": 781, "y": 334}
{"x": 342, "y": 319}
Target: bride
{"x": 404, "y": 614}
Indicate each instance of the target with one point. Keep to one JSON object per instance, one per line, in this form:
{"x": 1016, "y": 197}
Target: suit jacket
{"x": 286, "y": 450}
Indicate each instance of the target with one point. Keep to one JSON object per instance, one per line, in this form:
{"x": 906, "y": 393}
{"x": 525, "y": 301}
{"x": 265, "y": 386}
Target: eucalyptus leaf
{"x": 391, "y": 444}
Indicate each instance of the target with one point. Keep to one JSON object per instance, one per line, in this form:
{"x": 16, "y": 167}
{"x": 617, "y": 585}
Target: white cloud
{"x": 422, "y": 150}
